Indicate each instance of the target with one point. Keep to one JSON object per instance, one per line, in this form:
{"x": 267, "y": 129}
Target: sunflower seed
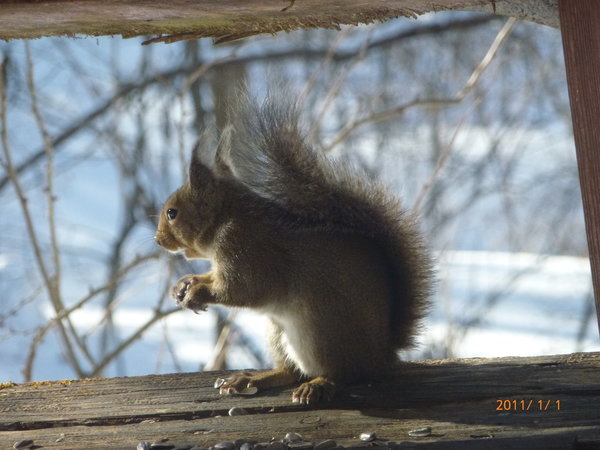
{"x": 248, "y": 391}
{"x": 367, "y": 437}
{"x": 235, "y": 411}
{"x": 292, "y": 437}
{"x": 420, "y": 432}
{"x": 329, "y": 443}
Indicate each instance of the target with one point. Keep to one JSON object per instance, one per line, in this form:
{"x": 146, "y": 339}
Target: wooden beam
{"x": 580, "y": 27}
{"x": 548, "y": 402}
{"x": 229, "y": 19}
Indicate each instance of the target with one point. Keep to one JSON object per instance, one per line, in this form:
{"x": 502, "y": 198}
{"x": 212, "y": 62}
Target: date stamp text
{"x": 514, "y": 405}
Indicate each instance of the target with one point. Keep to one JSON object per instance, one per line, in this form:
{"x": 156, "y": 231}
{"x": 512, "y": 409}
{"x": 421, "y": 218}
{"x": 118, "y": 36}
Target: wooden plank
{"x": 228, "y": 19}
{"x": 580, "y": 27}
{"x": 458, "y": 399}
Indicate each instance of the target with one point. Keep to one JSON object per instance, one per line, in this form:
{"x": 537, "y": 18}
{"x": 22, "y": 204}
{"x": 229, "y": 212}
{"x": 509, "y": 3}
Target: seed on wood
{"x": 219, "y": 382}
{"x": 292, "y": 437}
{"x": 143, "y": 445}
{"x": 482, "y": 435}
{"x": 235, "y": 411}
{"x": 23, "y": 443}
{"x": 245, "y": 444}
{"x": 248, "y": 391}
{"x": 161, "y": 446}
{"x": 420, "y": 432}
{"x": 310, "y": 420}
{"x": 329, "y": 443}
{"x": 261, "y": 446}
{"x": 300, "y": 445}
{"x": 225, "y": 446}
{"x": 367, "y": 437}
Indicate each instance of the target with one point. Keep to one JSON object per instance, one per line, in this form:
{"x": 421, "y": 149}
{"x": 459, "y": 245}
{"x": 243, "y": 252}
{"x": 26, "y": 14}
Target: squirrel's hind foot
{"x": 315, "y": 390}
{"x": 248, "y": 383}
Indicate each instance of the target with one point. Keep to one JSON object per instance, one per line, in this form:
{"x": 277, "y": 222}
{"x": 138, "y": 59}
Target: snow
{"x": 530, "y": 304}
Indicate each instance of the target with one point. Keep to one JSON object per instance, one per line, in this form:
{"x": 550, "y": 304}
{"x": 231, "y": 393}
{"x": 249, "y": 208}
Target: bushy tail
{"x": 270, "y": 155}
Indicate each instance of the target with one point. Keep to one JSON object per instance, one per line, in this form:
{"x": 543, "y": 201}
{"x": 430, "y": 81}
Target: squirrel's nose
{"x": 158, "y": 240}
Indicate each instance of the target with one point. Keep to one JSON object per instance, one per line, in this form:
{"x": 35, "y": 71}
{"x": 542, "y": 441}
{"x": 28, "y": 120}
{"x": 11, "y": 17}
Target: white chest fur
{"x": 297, "y": 343}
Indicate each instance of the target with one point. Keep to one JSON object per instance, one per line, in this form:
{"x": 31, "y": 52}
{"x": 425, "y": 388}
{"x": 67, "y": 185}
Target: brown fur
{"x": 332, "y": 260}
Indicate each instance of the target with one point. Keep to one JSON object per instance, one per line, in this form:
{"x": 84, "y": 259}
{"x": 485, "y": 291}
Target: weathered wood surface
{"x": 580, "y": 20}
{"x": 458, "y": 399}
{"x": 228, "y": 19}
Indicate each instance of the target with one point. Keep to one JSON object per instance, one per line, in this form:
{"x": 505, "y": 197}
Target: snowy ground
{"x": 527, "y": 304}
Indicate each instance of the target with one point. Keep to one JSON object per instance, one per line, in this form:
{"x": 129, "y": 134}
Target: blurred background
{"x": 465, "y": 116}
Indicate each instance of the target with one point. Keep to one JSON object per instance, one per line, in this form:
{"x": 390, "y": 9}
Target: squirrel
{"x": 332, "y": 260}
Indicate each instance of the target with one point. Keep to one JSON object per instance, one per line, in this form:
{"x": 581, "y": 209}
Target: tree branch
{"x": 429, "y": 103}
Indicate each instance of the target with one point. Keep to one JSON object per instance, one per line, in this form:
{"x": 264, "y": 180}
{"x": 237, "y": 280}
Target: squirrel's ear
{"x": 199, "y": 173}
{"x": 223, "y": 165}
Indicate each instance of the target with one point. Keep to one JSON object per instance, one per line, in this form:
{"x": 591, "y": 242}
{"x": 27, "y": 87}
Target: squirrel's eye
{"x": 171, "y": 213}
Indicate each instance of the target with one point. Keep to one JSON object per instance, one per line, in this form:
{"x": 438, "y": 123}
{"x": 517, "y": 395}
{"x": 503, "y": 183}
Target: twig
{"x": 313, "y": 133}
{"x": 41, "y": 333}
{"x": 49, "y": 151}
{"x": 217, "y": 359}
{"x": 158, "y": 315}
{"x": 385, "y": 115}
{"x": 201, "y": 70}
{"x": 308, "y": 87}
{"x": 468, "y": 87}
{"x": 431, "y": 103}
{"x": 12, "y": 175}
{"x": 126, "y": 89}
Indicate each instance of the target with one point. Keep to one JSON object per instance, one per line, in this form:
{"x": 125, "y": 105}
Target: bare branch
{"x": 158, "y": 315}
{"x": 430, "y": 103}
{"x": 334, "y": 90}
{"x": 217, "y": 359}
{"x": 41, "y": 333}
{"x": 161, "y": 77}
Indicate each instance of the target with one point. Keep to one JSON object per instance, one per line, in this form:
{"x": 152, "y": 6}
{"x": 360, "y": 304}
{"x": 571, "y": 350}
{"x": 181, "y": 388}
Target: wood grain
{"x": 580, "y": 27}
{"x": 456, "y": 398}
{"x": 227, "y": 20}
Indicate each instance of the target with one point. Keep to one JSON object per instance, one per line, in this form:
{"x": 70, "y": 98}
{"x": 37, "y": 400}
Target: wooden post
{"x": 580, "y": 27}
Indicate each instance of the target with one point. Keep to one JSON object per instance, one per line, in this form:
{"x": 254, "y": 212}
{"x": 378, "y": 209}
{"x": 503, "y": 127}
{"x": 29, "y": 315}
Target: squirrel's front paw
{"x": 191, "y": 293}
